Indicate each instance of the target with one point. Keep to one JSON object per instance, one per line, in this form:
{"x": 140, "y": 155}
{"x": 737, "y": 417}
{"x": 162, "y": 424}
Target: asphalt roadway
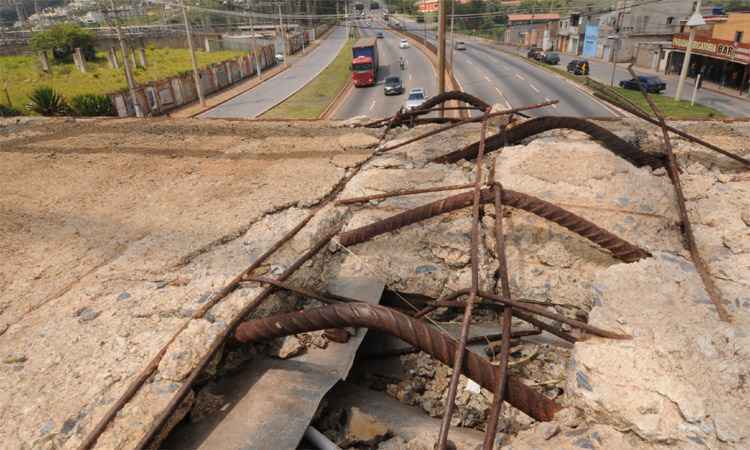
{"x": 727, "y": 104}
{"x": 500, "y": 78}
{"x": 271, "y": 92}
{"x": 418, "y": 73}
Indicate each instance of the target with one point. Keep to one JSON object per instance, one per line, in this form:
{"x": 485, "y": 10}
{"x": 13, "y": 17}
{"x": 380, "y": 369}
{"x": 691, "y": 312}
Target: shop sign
{"x": 713, "y": 47}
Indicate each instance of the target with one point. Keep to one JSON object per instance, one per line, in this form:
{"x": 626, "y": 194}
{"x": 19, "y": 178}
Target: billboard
{"x": 590, "y": 40}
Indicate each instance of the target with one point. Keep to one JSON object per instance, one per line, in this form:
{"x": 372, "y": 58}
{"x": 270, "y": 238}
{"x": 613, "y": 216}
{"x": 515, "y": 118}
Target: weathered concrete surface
{"x": 113, "y": 240}
{"x": 115, "y": 232}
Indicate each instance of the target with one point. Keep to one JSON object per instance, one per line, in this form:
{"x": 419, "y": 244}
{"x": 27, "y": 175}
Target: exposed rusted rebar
{"x": 464, "y": 122}
{"x": 497, "y": 400}
{"x": 618, "y": 100}
{"x": 415, "y": 332}
{"x": 513, "y": 135}
{"x": 687, "y": 229}
{"x": 620, "y": 248}
{"x": 474, "y": 260}
{"x": 219, "y": 339}
{"x": 367, "y": 198}
{"x": 154, "y": 363}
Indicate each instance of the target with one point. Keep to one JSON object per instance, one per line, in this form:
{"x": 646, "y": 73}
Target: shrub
{"x": 9, "y": 111}
{"x": 92, "y": 105}
{"x": 62, "y": 39}
{"x": 47, "y": 102}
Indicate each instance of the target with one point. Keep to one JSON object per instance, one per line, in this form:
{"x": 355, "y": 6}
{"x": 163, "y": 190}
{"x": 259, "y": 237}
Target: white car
{"x": 403, "y": 44}
{"x": 416, "y": 98}
{"x": 279, "y": 57}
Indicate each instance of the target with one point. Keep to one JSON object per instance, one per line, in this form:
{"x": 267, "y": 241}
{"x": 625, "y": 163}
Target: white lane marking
{"x": 507, "y": 103}
{"x": 469, "y": 61}
{"x": 409, "y": 77}
{"x": 534, "y": 88}
{"x": 546, "y": 99}
{"x": 518, "y": 75}
{"x": 488, "y": 79}
{"x": 372, "y": 105}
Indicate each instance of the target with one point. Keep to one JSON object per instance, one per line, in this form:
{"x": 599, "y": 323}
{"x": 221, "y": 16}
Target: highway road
{"x": 271, "y": 92}
{"x": 731, "y": 106}
{"x": 500, "y": 78}
{"x": 371, "y": 101}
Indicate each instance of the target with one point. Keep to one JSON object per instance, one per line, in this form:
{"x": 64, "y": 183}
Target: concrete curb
{"x": 337, "y": 101}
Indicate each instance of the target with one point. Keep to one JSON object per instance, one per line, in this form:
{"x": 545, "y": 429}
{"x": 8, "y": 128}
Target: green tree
{"x": 62, "y": 39}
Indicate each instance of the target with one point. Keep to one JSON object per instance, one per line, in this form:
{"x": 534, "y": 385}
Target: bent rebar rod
{"x": 620, "y": 248}
{"x": 531, "y": 127}
{"x": 415, "y": 332}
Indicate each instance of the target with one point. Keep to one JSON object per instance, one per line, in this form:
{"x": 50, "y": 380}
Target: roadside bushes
{"x": 92, "y": 105}
{"x": 47, "y": 102}
{"x": 9, "y": 111}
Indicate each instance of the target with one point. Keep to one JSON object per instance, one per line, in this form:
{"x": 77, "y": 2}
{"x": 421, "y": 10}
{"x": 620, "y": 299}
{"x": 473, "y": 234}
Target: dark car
{"x": 533, "y": 52}
{"x": 379, "y": 35}
{"x": 393, "y": 86}
{"x": 651, "y": 84}
{"x": 551, "y": 58}
{"x": 578, "y": 67}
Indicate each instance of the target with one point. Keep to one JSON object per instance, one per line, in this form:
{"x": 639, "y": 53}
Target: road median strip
{"x": 317, "y": 96}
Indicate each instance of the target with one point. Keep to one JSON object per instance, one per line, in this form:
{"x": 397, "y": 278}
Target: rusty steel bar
{"x": 687, "y": 228}
{"x": 620, "y": 248}
{"x": 534, "y": 309}
{"x": 415, "y": 332}
{"x": 321, "y": 297}
{"x": 367, "y": 198}
{"x": 621, "y": 102}
{"x": 543, "y": 326}
{"x": 474, "y": 259}
{"x": 465, "y": 121}
{"x": 427, "y": 106}
{"x": 497, "y": 399}
{"x": 92, "y": 437}
{"x": 516, "y": 133}
{"x": 428, "y": 309}
{"x": 218, "y": 341}
{"x": 488, "y": 338}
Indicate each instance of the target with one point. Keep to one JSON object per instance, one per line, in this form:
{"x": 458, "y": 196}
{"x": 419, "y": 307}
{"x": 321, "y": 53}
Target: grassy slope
{"x": 23, "y": 75}
{"x": 310, "y": 101}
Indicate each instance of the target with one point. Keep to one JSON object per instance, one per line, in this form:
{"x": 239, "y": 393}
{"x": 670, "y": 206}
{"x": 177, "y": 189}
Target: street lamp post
{"x": 695, "y": 20}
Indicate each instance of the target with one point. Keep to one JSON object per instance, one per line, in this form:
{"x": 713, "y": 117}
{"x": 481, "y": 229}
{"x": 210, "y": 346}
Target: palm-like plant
{"x": 47, "y": 102}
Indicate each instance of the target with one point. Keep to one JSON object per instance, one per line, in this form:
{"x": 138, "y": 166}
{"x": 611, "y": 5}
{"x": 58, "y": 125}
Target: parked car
{"x": 533, "y": 51}
{"x": 651, "y": 84}
{"x": 460, "y": 45}
{"x": 552, "y": 58}
{"x": 403, "y": 44}
{"x": 415, "y": 99}
{"x": 578, "y": 67}
{"x": 279, "y": 57}
{"x": 393, "y": 86}
{"x": 379, "y": 35}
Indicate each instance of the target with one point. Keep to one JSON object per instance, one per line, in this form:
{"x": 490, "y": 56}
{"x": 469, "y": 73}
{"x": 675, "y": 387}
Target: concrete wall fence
{"x": 159, "y": 97}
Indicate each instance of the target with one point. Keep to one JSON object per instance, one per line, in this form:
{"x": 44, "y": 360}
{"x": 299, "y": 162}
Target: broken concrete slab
{"x": 271, "y": 402}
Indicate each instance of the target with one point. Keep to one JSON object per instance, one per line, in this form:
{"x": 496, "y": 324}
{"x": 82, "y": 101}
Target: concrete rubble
{"x": 114, "y": 238}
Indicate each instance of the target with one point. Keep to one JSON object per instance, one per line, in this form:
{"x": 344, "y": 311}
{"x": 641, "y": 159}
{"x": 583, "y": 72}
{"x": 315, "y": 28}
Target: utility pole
{"x": 283, "y": 37}
{"x": 453, "y": 19}
{"x": 696, "y": 20}
{"x": 126, "y": 64}
{"x": 615, "y": 45}
{"x": 441, "y": 51}
{"x": 196, "y": 75}
{"x": 254, "y": 41}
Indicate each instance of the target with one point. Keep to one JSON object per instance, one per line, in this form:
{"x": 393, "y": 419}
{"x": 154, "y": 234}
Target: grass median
{"x": 310, "y": 101}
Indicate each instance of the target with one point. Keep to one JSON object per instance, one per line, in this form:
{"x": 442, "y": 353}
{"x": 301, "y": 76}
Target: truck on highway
{"x": 365, "y": 62}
